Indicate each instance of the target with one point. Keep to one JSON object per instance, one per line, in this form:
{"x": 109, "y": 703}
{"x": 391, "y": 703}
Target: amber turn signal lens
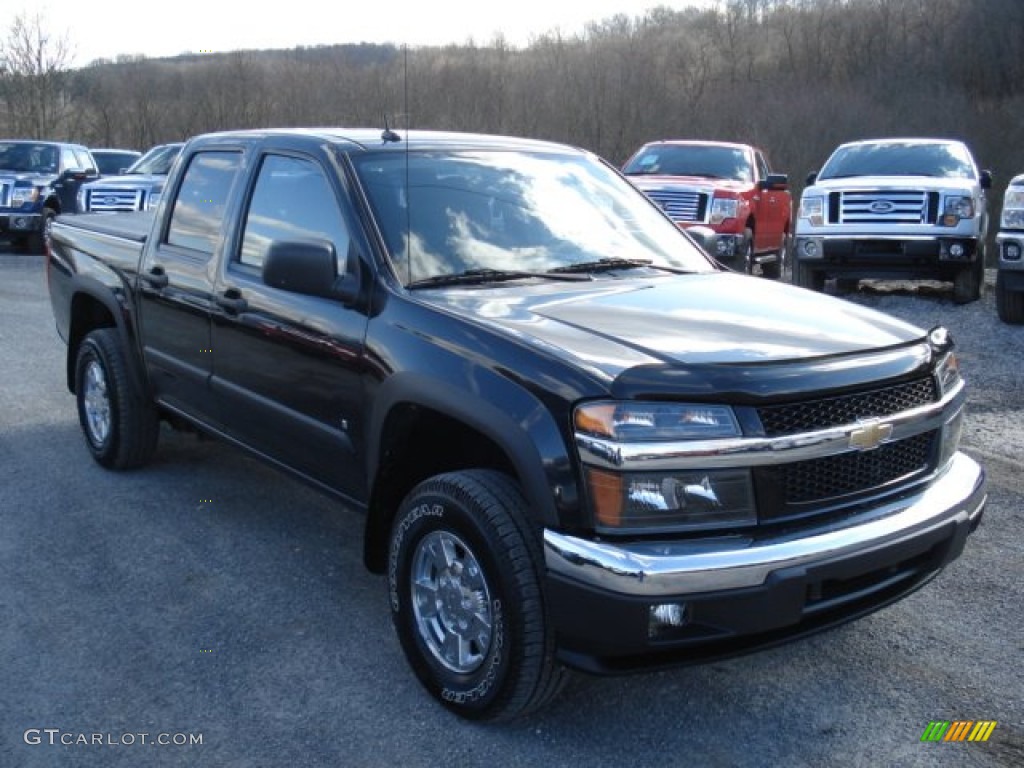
{"x": 606, "y": 492}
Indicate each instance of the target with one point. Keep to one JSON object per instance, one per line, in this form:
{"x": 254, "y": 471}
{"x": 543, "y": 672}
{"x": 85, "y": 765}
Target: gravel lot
{"x": 209, "y": 595}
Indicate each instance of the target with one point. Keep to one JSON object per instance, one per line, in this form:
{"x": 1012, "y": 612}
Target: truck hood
{"x": 716, "y": 318}
{"x": 925, "y": 183}
{"x": 696, "y": 183}
{"x": 36, "y": 179}
{"x": 127, "y": 181}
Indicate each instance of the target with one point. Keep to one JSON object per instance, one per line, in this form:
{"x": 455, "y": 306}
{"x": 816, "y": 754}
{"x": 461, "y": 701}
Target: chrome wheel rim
{"x": 451, "y": 602}
{"x": 96, "y": 403}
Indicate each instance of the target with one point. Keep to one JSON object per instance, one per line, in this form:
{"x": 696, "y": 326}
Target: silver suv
{"x": 137, "y": 189}
{"x": 894, "y": 208}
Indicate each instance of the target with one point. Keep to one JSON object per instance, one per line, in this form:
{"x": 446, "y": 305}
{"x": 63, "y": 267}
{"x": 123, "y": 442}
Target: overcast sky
{"x": 155, "y": 29}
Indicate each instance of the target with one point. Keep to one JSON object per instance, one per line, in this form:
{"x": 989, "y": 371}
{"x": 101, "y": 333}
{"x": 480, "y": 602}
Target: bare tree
{"x": 33, "y": 78}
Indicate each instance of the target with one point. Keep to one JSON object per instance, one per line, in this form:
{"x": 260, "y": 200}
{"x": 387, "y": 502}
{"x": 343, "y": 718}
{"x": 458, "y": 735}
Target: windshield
{"x": 26, "y": 157}
{"x": 445, "y": 213}
{"x": 900, "y": 158}
{"x": 713, "y": 162}
{"x": 158, "y": 160}
{"x": 111, "y": 162}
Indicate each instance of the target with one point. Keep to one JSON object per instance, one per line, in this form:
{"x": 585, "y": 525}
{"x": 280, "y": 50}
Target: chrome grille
{"x": 883, "y": 206}
{"x": 812, "y": 415}
{"x": 103, "y": 200}
{"x": 681, "y": 205}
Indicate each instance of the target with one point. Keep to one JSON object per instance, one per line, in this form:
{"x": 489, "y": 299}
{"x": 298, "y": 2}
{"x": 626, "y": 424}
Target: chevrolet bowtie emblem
{"x": 870, "y": 435}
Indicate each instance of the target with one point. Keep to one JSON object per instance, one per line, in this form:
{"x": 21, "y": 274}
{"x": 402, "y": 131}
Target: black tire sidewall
{"x": 967, "y": 283}
{"x": 91, "y": 350}
{"x": 472, "y": 695}
{"x": 1009, "y": 304}
{"x": 37, "y": 241}
{"x": 749, "y": 254}
{"x": 807, "y": 277}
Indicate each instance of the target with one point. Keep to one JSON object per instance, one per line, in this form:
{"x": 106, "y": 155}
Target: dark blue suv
{"x": 38, "y": 181}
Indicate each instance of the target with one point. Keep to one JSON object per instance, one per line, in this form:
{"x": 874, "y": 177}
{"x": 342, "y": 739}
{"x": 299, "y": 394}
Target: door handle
{"x": 232, "y": 301}
{"x": 156, "y": 277}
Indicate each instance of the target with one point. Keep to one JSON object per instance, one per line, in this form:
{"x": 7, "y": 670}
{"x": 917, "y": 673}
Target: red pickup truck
{"x": 726, "y": 187}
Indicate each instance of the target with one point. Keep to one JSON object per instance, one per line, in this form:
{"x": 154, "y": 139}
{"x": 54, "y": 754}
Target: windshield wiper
{"x": 480, "y": 276}
{"x": 607, "y": 265}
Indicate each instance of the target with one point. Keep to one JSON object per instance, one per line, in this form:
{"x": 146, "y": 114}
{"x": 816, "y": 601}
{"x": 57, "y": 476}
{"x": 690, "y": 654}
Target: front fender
{"x": 501, "y": 410}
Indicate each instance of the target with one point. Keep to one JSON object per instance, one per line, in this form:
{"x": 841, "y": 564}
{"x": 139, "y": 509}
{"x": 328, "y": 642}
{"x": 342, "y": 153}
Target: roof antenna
{"x": 387, "y": 135}
{"x": 408, "y": 196}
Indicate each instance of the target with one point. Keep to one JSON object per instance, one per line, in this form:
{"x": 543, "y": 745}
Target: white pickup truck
{"x": 895, "y": 208}
{"x": 1010, "y": 241}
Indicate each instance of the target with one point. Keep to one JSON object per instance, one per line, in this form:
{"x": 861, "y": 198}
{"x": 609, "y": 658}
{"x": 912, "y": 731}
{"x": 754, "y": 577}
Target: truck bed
{"x": 130, "y": 226}
{"x": 105, "y": 246}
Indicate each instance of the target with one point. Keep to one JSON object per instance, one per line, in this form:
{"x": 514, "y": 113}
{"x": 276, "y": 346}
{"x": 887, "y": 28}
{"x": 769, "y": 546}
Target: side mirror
{"x": 811, "y": 178}
{"x": 310, "y": 267}
{"x": 986, "y": 180}
{"x": 778, "y": 181}
{"x": 78, "y": 174}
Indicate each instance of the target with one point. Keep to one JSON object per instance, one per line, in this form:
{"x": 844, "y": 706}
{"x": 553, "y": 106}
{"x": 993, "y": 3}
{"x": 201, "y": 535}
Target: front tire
{"x": 807, "y": 277}
{"x": 464, "y": 579}
{"x": 120, "y": 428}
{"x": 1009, "y": 304}
{"x": 38, "y": 241}
{"x": 967, "y": 285}
{"x": 774, "y": 269}
{"x": 748, "y": 251}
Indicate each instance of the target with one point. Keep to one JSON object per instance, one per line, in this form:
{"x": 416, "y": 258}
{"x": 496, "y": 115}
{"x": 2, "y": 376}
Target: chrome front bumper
{"x": 698, "y": 566}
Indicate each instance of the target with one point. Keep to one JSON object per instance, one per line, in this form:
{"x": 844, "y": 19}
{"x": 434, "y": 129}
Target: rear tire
{"x": 120, "y": 428}
{"x": 1009, "y": 304}
{"x": 464, "y": 573}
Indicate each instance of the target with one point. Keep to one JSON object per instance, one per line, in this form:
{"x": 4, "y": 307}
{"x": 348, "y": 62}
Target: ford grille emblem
{"x": 882, "y": 206}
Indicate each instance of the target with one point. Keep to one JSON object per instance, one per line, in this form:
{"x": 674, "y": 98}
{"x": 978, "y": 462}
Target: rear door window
{"x": 202, "y": 201}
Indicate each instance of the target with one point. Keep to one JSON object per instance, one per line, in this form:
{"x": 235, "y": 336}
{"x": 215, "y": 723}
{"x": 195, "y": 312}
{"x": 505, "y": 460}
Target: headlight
{"x": 811, "y": 208}
{"x": 957, "y": 208}
{"x": 80, "y": 200}
{"x": 636, "y": 422}
{"x": 671, "y": 499}
{"x": 22, "y": 195}
{"x": 1013, "y": 208}
{"x": 723, "y": 208}
{"x": 951, "y": 432}
{"x": 152, "y": 199}
{"x": 947, "y": 377}
{"x": 947, "y": 369}
{"x": 685, "y": 500}
{"x": 947, "y": 373}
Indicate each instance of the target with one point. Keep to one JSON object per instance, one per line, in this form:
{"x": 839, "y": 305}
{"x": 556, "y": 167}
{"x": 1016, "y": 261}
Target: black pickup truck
{"x": 578, "y": 442}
